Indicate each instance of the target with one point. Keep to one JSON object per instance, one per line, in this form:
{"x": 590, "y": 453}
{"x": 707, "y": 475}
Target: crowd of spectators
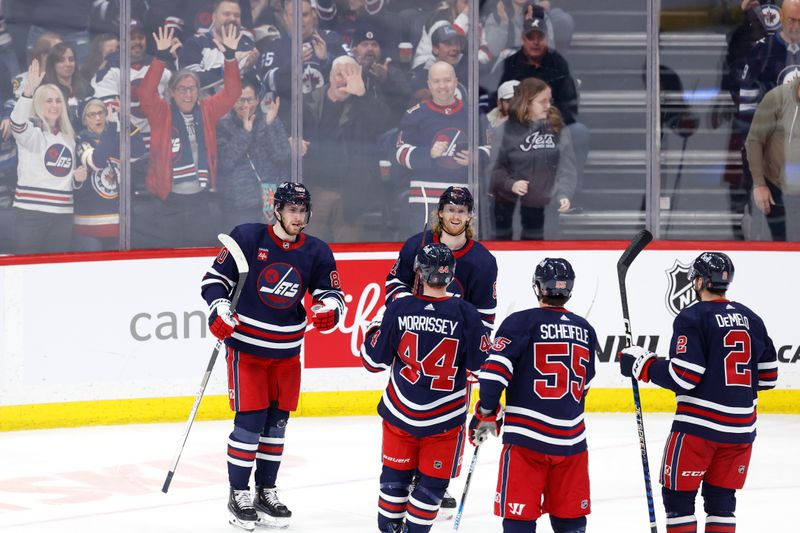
{"x": 384, "y": 129}
{"x": 384, "y": 113}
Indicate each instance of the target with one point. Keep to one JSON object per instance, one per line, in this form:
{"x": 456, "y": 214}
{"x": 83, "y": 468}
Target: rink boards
{"x": 118, "y": 338}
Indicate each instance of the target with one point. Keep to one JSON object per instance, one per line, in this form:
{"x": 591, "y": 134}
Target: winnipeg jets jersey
{"x": 475, "y": 278}
{"x": 720, "y": 357}
{"x": 544, "y": 359}
{"x": 270, "y": 308}
{"x": 422, "y": 126}
{"x": 46, "y": 161}
{"x": 428, "y": 345}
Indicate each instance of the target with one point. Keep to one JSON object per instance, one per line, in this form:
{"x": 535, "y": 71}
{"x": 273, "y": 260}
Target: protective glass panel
{"x": 59, "y": 147}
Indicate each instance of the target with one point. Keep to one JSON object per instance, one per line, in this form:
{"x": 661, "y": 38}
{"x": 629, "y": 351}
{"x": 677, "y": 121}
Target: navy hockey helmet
{"x": 715, "y": 268}
{"x": 554, "y": 278}
{"x": 290, "y": 192}
{"x": 436, "y": 264}
{"x": 457, "y": 196}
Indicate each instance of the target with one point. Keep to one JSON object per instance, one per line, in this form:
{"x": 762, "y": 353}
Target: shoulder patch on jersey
{"x": 412, "y": 109}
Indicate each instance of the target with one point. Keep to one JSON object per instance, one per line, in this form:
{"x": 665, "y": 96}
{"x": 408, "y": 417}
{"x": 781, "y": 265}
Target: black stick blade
{"x": 638, "y": 243}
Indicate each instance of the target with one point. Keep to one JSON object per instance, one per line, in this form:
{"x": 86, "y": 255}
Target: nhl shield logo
{"x": 679, "y": 290}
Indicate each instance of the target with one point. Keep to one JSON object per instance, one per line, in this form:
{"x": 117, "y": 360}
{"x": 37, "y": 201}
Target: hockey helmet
{"x": 715, "y": 268}
{"x": 290, "y": 192}
{"x": 436, "y": 264}
{"x": 457, "y": 196}
{"x": 554, "y": 278}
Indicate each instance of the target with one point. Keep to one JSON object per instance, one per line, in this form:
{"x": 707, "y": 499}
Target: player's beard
{"x": 291, "y": 231}
{"x": 457, "y": 234}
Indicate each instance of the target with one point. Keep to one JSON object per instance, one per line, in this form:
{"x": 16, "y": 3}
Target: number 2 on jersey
{"x": 548, "y": 359}
{"x": 438, "y": 364}
{"x": 737, "y": 362}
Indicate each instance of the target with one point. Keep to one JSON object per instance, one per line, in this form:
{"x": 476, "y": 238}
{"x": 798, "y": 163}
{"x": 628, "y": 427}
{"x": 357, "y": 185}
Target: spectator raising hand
{"x": 271, "y": 109}
{"x": 164, "y": 39}
{"x": 229, "y": 39}
{"x": 355, "y": 83}
{"x": 320, "y": 46}
{"x": 35, "y": 77}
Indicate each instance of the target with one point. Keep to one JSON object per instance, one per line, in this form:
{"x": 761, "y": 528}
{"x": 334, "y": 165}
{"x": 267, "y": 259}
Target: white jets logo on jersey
{"x": 58, "y": 160}
{"x": 516, "y": 508}
{"x": 538, "y": 141}
{"x": 279, "y": 285}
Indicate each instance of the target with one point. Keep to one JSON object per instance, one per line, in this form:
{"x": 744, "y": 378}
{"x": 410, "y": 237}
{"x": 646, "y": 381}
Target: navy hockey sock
{"x": 720, "y": 505}
{"x": 242, "y": 446}
{"x": 424, "y": 502}
{"x": 393, "y": 496}
{"x": 519, "y": 526}
{"x": 270, "y": 447}
{"x": 680, "y": 510}
{"x": 568, "y": 525}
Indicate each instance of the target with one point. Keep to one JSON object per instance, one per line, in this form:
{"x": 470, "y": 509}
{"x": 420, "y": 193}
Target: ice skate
{"x": 243, "y": 514}
{"x": 271, "y": 512}
{"x": 395, "y": 527}
{"x": 448, "y": 507}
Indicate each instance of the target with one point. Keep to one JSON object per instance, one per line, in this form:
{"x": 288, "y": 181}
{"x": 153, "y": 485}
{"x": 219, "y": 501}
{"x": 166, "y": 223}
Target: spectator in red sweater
{"x": 183, "y": 147}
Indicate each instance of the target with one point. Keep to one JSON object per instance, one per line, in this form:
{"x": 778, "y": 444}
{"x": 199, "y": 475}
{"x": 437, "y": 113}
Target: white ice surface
{"x": 108, "y": 479}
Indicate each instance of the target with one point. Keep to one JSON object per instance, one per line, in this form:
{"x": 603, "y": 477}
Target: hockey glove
{"x": 484, "y": 422}
{"x": 222, "y": 322}
{"x": 635, "y": 361}
{"x": 326, "y": 315}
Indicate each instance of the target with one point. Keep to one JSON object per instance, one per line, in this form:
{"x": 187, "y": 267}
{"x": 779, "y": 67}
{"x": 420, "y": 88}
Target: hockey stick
{"x": 639, "y": 242}
{"x": 457, "y": 521}
{"x": 422, "y": 244}
{"x": 241, "y": 264}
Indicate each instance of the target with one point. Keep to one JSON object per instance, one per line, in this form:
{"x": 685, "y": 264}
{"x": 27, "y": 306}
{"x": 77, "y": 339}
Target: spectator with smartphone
{"x": 432, "y": 144}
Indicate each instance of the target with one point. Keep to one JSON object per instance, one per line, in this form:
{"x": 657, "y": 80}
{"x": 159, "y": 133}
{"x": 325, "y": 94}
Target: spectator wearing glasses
{"x": 536, "y": 59}
{"x": 534, "y": 164}
{"x": 183, "y": 146}
{"x": 97, "y": 197}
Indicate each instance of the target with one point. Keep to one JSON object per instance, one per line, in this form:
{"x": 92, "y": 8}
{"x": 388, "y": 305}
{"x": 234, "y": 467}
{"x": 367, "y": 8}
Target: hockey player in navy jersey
{"x": 720, "y": 356}
{"x": 428, "y": 342}
{"x": 476, "y": 277}
{"x": 544, "y": 359}
{"x": 263, "y": 339}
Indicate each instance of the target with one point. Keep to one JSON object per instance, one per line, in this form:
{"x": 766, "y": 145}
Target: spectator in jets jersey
{"x": 46, "y": 147}
{"x": 201, "y": 55}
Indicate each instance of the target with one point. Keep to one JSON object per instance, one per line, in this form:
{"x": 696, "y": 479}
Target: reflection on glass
{"x": 539, "y": 143}
{"x": 724, "y": 172}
